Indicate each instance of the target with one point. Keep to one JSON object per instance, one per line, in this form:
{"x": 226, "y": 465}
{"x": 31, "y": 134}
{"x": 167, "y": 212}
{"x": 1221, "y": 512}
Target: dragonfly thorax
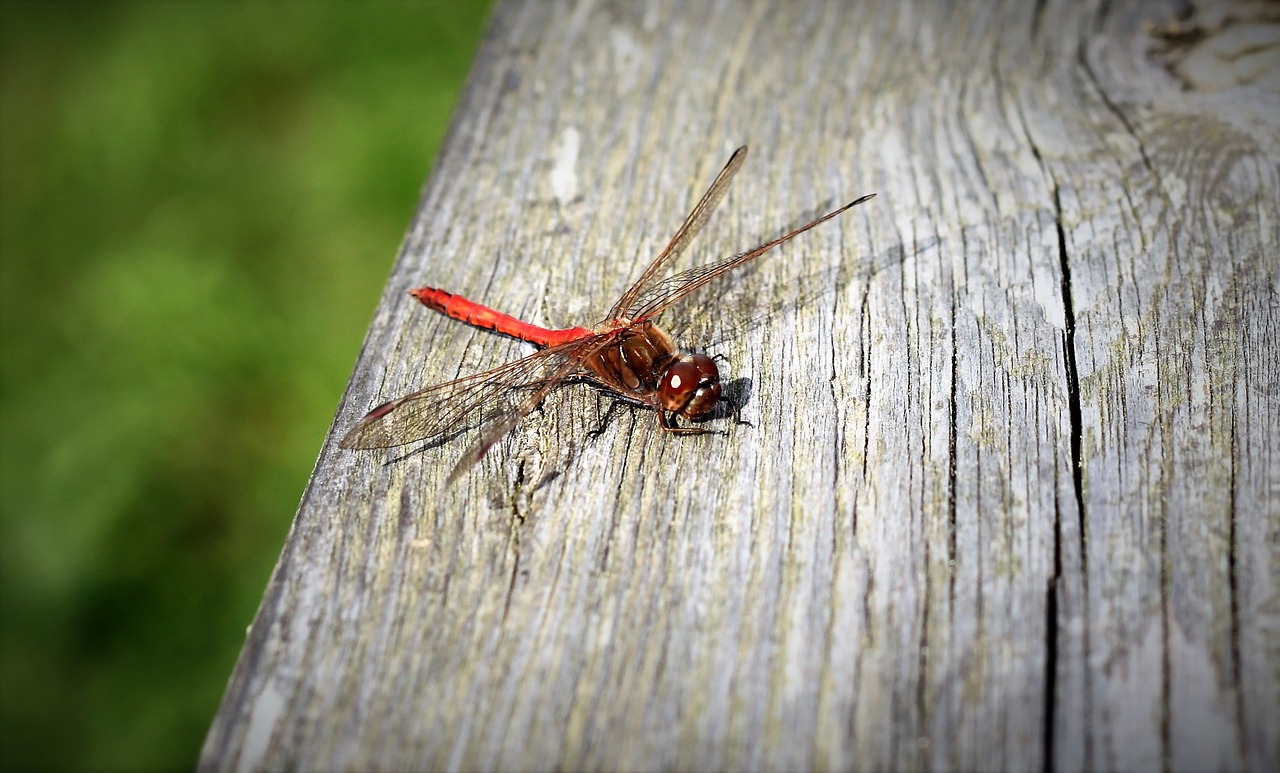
{"x": 642, "y": 363}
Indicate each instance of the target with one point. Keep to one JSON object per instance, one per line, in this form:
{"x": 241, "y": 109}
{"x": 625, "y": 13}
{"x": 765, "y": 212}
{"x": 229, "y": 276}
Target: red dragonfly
{"x": 627, "y": 354}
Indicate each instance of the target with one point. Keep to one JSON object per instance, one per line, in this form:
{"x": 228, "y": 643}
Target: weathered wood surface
{"x": 1074, "y": 255}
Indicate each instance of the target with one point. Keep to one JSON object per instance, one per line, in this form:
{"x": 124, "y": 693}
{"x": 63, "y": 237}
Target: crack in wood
{"x": 517, "y": 522}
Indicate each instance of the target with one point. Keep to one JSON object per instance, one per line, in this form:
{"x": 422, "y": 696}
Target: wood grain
{"x": 1010, "y": 496}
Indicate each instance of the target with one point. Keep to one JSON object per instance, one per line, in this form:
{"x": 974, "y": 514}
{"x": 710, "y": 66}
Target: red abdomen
{"x": 484, "y": 317}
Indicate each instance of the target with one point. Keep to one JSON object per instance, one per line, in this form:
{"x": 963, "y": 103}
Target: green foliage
{"x": 199, "y": 204}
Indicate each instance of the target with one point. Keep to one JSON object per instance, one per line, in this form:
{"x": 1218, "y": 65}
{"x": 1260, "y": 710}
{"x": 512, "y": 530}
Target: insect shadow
{"x": 739, "y": 313}
{"x": 734, "y": 396}
{"x": 420, "y": 447}
{"x": 740, "y": 310}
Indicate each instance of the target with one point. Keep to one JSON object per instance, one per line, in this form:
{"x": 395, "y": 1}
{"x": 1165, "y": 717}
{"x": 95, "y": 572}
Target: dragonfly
{"x": 627, "y": 355}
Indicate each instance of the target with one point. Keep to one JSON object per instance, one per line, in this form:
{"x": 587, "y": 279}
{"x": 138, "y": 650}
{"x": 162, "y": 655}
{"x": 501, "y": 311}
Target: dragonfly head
{"x": 690, "y": 386}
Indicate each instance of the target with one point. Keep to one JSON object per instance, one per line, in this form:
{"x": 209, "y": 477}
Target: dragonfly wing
{"x": 660, "y": 296}
{"x": 688, "y": 229}
{"x": 529, "y": 400}
{"x": 443, "y": 410}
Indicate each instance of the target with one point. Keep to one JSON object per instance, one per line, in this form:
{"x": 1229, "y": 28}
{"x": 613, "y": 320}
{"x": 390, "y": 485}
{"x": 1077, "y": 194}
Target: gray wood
{"x": 1011, "y": 496}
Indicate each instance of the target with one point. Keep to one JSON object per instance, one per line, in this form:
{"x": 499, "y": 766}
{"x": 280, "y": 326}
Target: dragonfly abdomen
{"x": 477, "y": 315}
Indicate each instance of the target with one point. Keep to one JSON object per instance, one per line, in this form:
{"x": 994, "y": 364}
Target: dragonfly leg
{"x": 603, "y": 419}
{"x": 669, "y": 425}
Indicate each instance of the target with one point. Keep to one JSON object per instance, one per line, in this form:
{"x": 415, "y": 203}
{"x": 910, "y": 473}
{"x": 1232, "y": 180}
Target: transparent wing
{"x": 438, "y": 412}
{"x": 692, "y": 225}
{"x": 658, "y": 297}
{"x": 529, "y": 399}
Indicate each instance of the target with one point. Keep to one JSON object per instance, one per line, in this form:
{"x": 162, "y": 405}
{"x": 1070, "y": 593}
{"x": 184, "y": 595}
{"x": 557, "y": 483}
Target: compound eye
{"x": 690, "y": 386}
{"x": 680, "y": 380}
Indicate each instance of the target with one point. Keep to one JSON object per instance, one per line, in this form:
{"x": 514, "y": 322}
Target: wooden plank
{"x": 1011, "y": 496}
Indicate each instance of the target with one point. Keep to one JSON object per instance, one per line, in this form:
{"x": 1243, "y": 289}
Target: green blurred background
{"x": 199, "y": 205}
